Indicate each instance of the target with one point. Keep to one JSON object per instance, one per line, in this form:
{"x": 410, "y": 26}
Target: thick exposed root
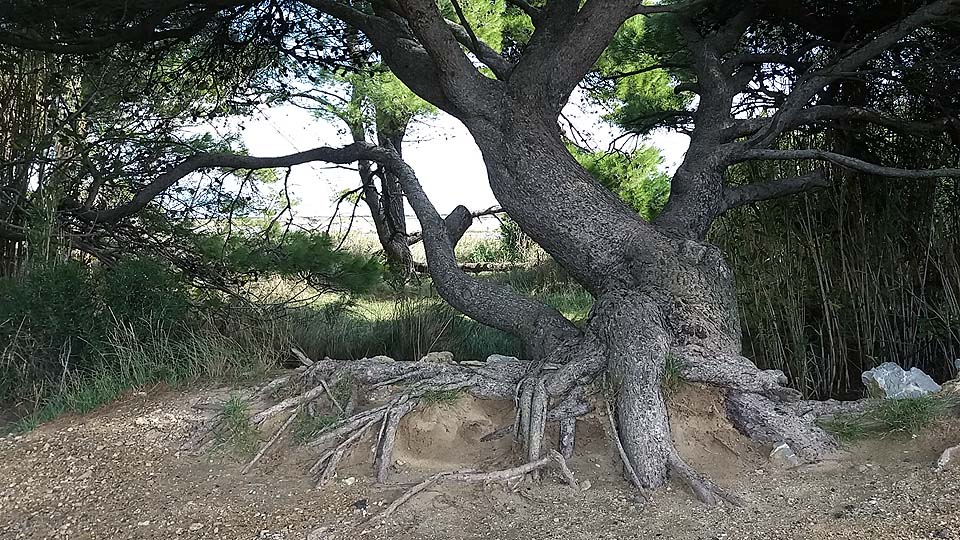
{"x": 732, "y": 371}
{"x": 628, "y": 470}
{"x": 767, "y": 421}
{"x": 388, "y": 440}
{"x": 568, "y": 436}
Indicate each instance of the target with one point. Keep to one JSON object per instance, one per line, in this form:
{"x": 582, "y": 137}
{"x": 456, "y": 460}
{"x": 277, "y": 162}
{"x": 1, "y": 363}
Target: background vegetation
{"x": 212, "y": 281}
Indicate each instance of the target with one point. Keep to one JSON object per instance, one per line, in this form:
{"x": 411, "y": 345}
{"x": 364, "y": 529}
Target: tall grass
{"x": 134, "y": 359}
{"x": 834, "y": 283}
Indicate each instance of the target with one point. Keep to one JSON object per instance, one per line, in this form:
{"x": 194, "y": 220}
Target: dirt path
{"x": 117, "y": 474}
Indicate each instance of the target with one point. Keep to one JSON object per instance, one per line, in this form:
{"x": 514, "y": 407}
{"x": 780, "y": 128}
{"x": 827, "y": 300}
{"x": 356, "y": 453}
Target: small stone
{"x": 350, "y": 481}
{"x": 195, "y": 527}
{"x": 784, "y": 456}
{"x": 440, "y": 357}
{"x": 948, "y": 457}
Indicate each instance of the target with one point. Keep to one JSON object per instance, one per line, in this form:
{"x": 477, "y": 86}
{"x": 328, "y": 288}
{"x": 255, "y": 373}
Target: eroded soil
{"x": 118, "y": 473}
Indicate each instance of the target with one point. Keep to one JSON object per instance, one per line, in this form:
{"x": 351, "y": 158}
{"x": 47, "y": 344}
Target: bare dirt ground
{"x": 118, "y": 473}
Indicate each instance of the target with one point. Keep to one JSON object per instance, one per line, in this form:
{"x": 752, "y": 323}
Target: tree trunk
{"x": 636, "y": 343}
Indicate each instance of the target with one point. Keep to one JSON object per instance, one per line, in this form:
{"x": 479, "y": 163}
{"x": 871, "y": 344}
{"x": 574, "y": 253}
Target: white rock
{"x": 890, "y": 381}
{"x": 784, "y": 456}
{"x": 350, "y": 481}
{"x": 948, "y": 457}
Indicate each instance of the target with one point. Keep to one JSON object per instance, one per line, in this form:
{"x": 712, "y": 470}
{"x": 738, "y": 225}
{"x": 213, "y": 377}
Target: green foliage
{"x": 634, "y": 177}
{"x": 442, "y": 397}
{"x": 887, "y": 417}
{"x": 254, "y": 254}
{"x": 234, "y": 432}
{"x": 486, "y": 18}
{"x": 672, "y": 375}
{"x": 639, "y": 100}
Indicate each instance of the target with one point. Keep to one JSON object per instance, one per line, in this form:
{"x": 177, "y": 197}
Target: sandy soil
{"x": 118, "y": 473}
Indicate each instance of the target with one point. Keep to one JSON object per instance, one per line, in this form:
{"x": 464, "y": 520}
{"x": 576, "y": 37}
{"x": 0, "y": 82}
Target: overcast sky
{"x": 439, "y": 149}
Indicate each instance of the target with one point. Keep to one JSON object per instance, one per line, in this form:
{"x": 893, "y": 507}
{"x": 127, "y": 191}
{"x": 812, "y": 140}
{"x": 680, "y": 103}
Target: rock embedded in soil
{"x": 890, "y": 381}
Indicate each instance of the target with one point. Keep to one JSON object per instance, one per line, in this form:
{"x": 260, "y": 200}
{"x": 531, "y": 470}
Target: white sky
{"x": 439, "y": 149}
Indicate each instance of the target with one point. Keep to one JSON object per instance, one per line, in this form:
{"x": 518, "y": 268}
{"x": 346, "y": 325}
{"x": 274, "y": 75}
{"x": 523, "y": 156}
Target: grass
{"x": 235, "y": 433}
{"x": 131, "y": 360}
{"x": 672, "y": 375}
{"x": 890, "y": 417}
{"x": 442, "y": 397}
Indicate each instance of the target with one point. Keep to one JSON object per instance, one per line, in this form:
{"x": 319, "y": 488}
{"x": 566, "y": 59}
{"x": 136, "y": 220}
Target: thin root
{"x": 271, "y": 442}
{"x": 472, "y": 476}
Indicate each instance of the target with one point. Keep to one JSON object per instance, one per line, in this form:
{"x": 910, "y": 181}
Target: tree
{"x": 760, "y": 71}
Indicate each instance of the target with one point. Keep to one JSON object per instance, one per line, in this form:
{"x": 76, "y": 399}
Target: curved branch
{"x": 819, "y": 113}
{"x": 848, "y": 163}
{"x": 542, "y": 328}
{"x": 146, "y": 32}
{"x": 500, "y": 66}
{"x": 462, "y": 84}
{"x": 734, "y": 196}
{"x": 199, "y": 162}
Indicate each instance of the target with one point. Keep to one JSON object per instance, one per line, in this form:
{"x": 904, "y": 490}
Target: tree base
{"x": 340, "y": 394}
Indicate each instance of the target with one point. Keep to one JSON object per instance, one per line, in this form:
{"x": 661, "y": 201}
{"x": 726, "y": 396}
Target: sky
{"x": 440, "y": 150}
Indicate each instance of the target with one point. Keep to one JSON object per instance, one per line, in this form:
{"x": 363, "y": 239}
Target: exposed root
{"x": 732, "y": 371}
{"x": 330, "y": 468}
{"x": 766, "y": 421}
{"x": 568, "y": 435}
{"x": 271, "y": 442}
{"x": 342, "y": 447}
{"x": 289, "y": 403}
{"x": 331, "y": 397}
{"x": 384, "y": 456}
{"x": 703, "y": 488}
{"x": 537, "y": 420}
{"x": 472, "y": 476}
{"x": 630, "y": 473}
{"x": 758, "y": 405}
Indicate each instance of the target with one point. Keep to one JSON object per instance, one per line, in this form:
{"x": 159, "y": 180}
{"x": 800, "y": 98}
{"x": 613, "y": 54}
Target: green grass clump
{"x": 890, "y": 417}
{"x": 442, "y": 397}
{"x": 672, "y": 375}
{"x": 235, "y": 432}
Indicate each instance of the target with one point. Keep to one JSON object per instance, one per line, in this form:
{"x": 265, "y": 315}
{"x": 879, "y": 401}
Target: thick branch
{"x": 455, "y": 223}
{"x": 849, "y": 163}
{"x": 463, "y": 85}
{"x": 782, "y": 187}
{"x": 540, "y": 326}
{"x": 500, "y": 66}
{"x": 406, "y": 57}
{"x": 821, "y": 113}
